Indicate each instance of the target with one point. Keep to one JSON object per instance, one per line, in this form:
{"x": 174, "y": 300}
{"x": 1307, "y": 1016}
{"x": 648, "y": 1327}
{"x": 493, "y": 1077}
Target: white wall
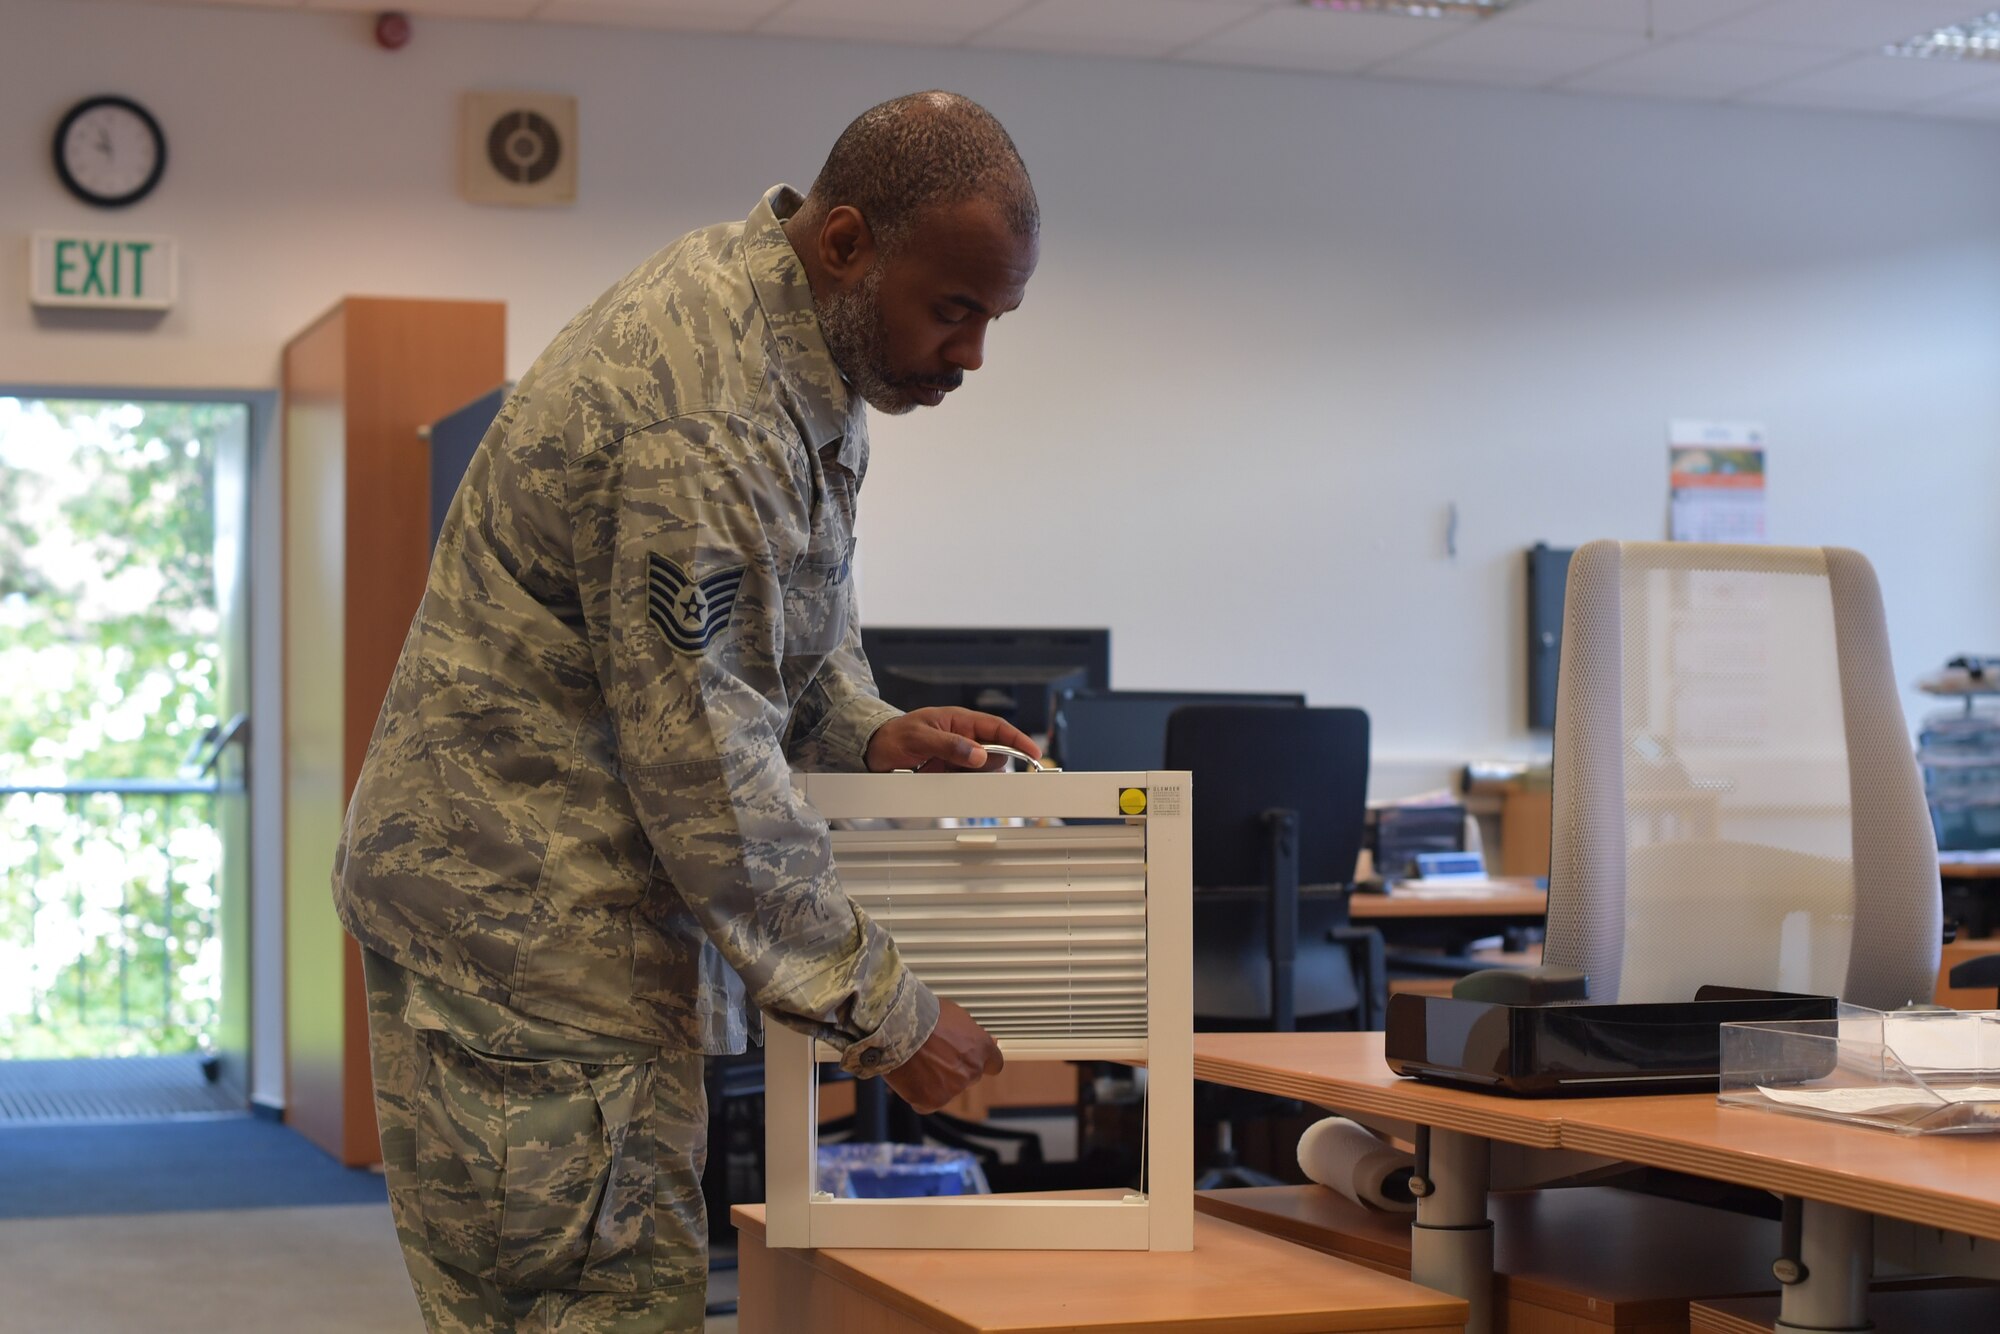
{"x": 1281, "y": 320}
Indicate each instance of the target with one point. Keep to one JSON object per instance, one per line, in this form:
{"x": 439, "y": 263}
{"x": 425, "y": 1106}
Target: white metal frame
{"x": 1162, "y": 1219}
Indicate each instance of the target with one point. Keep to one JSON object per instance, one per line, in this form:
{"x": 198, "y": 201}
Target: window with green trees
{"x": 109, "y": 655}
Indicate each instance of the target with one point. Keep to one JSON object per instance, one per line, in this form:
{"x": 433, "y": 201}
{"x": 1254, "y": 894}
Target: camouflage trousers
{"x": 541, "y": 1178}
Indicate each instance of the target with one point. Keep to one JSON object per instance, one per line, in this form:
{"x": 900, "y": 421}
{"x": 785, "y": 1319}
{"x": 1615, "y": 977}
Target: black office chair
{"x": 1983, "y": 971}
{"x": 1127, "y": 729}
{"x": 1279, "y": 802}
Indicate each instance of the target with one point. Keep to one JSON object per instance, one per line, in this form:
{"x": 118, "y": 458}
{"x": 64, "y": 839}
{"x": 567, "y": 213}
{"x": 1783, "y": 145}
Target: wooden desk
{"x": 1051, "y": 1084}
{"x": 1846, "y": 1174}
{"x": 1429, "y": 931}
{"x": 1235, "y": 1279}
{"x": 1948, "y": 1181}
{"x": 1970, "y": 888}
{"x": 1581, "y": 1261}
{"x": 1912, "y": 1311}
{"x": 1513, "y": 899}
{"x": 1964, "y": 998}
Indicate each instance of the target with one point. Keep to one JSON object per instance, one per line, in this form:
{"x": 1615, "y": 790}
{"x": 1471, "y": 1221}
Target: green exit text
{"x": 100, "y": 268}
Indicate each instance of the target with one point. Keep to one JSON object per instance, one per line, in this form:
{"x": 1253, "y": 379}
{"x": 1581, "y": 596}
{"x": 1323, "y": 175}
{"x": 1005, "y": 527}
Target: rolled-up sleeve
{"x": 702, "y": 520}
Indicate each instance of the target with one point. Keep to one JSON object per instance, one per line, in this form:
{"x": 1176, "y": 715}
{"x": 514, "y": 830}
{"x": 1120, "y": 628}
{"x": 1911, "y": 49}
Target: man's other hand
{"x": 943, "y": 739}
{"x": 951, "y": 1060}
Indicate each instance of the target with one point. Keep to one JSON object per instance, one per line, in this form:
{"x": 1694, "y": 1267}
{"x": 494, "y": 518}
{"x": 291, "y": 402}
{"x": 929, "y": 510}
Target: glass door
{"x": 123, "y": 846}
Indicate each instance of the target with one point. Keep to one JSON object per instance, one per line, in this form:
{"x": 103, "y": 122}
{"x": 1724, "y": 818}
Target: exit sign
{"x": 102, "y": 272}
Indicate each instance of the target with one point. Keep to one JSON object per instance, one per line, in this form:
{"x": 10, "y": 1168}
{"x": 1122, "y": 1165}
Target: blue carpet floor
{"x": 237, "y": 1162}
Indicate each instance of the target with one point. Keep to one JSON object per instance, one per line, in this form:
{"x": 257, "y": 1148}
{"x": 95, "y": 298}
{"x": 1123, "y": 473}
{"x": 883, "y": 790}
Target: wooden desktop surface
{"x": 1952, "y": 1181}
{"x": 1346, "y": 1070}
{"x": 1953, "y": 868}
{"x": 1236, "y": 1279}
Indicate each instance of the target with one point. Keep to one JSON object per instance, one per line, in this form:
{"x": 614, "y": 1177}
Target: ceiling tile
{"x": 694, "y": 15}
{"x": 1881, "y": 81}
{"x": 1663, "y": 18}
{"x": 1785, "y": 52}
{"x": 1607, "y": 83}
{"x": 1863, "y": 25}
{"x": 1419, "y": 70}
{"x": 1708, "y": 62}
{"x": 1115, "y": 27}
{"x": 1544, "y": 53}
{"x": 452, "y": 9}
{"x": 1973, "y": 106}
{"x": 1986, "y": 96}
{"x": 916, "y": 21}
{"x": 1294, "y": 37}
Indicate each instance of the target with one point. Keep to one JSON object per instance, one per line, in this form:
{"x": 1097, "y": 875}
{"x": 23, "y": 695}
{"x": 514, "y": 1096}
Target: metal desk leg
{"x": 1829, "y": 1256}
{"x": 1451, "y": 1247}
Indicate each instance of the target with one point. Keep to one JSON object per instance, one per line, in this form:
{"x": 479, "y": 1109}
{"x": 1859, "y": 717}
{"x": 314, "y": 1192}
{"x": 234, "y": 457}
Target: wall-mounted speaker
{"x": 518, "y": 148}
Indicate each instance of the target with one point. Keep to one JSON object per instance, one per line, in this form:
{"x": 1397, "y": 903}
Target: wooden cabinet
{"x": 358, "y": 384}
{"x": 1524, "y": 830}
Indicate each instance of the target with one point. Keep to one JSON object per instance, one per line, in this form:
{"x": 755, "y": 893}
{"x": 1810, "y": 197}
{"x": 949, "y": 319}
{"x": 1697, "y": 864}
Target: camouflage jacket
{"x": 577, "y": 800}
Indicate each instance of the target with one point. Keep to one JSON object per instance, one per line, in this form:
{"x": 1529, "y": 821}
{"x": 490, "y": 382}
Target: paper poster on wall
{"x": 1715, "y": 481}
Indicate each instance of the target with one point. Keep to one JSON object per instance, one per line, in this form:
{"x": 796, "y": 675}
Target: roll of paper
{"x": 1345, "y": 1157}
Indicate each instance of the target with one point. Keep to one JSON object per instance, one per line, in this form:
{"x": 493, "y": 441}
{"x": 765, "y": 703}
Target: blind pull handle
{"x": 992, "y": 748}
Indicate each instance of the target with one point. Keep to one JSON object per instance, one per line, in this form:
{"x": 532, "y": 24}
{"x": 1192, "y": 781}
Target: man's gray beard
{"x": 851, "y": 323}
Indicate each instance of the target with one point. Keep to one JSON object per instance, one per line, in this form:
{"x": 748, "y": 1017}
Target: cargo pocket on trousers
{"x": 538, "y": 1174}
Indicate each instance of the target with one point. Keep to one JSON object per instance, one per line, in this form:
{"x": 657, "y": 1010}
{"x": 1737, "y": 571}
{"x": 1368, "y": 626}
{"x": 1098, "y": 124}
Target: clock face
{"x": 109, "y": 151}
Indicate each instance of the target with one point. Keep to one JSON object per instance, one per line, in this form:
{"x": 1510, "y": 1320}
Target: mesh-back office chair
{"x": 1736, "y": 799}
{"x": 1280, "y": 802}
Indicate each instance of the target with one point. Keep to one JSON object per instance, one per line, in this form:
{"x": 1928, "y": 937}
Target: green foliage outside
{"x": 109, "y": 658}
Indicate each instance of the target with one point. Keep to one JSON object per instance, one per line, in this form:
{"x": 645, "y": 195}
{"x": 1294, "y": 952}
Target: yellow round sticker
{"x": 1132, "y": 800}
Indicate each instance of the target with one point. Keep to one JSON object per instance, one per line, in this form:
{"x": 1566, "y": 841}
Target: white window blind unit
{"x": 1040, "y": 933}
{"x": 1067, "y": 942}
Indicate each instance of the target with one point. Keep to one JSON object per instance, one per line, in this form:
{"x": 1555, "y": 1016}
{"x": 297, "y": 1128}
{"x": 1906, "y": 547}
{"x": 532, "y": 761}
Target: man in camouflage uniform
{"x": 574, "y": 858}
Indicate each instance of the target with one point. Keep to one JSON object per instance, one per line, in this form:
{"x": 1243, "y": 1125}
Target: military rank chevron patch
{"x": 688, "y": 611}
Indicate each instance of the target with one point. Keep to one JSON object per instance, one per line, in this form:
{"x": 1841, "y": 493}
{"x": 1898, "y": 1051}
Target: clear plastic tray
{"x": 1915, "y": 1072}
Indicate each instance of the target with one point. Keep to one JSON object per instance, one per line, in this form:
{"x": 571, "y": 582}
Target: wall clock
{"x": 110, "y": 152}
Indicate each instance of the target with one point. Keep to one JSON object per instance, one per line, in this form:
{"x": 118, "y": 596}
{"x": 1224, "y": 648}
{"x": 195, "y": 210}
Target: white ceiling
{"x": 1799, "y": 53}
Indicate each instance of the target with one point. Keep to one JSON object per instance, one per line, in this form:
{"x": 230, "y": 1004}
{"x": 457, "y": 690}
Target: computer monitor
{"x": 1104, "y": 730}
{"x": 1247, "y": 762}
{"x": 1548, "y": 576}
{"x": 1009, "y": 672}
